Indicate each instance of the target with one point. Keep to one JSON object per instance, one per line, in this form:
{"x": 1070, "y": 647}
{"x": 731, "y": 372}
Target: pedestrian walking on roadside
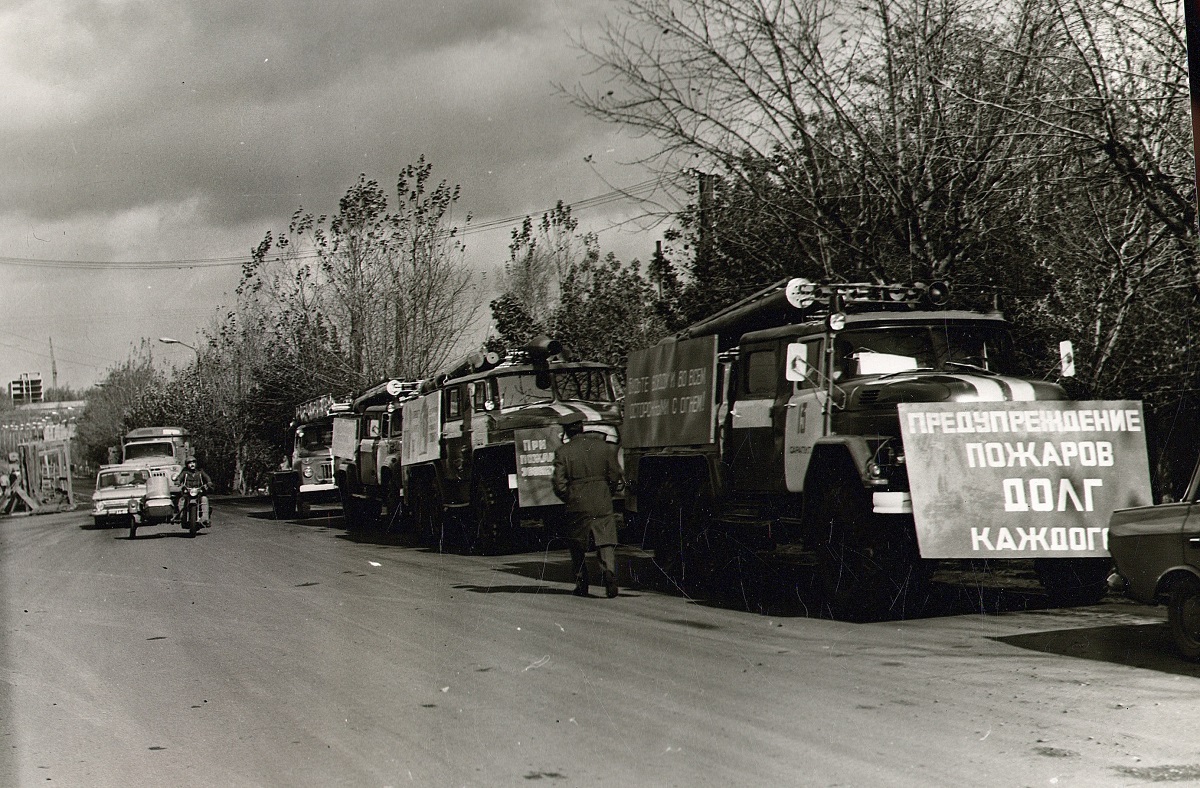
{"x": 586, "y": 477}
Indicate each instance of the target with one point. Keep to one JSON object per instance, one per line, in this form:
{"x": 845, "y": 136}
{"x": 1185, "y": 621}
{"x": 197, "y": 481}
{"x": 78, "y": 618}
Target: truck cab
{"x": 479, "y": 442}
{"x": 162, "y": 450}
{"x": 367, "y": 439}
{"x": 307, "y": 477}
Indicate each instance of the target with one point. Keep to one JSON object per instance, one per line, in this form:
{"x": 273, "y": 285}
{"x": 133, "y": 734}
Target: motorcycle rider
{"x": 192, "y": 476}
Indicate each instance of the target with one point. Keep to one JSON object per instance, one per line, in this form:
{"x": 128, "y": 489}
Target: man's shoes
{"x": 581, "y": 589}
{"x": 610, "y": 585}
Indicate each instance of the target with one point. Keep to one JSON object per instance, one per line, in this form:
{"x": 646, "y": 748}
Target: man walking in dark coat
{"x": 586, "y": 477}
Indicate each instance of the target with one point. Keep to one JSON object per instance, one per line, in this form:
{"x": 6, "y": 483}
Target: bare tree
{"x": 859, "y": 127}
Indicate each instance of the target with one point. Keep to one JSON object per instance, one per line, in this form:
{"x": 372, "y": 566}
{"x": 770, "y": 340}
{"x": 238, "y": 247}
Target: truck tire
{"x": 360, "y": 514}
{"x": 489, "y": 529}
{"x": 393, "y": 501}
{"x": 1183, "y": 616}
{"x": 677, "y": 529}
{"x": 303, "y": 507}
{"x": 868, "y": 568}
{"x": 429, "y": 517}
{"x": 283, "y": 507}
{"x": 1073, "y": 581}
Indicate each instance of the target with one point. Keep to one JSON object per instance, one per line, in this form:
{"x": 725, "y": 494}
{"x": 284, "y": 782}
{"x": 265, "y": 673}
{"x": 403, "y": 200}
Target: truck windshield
{"x": 589, "y": 385}
{"x": 109, "y": 480}
{"x": 949, "y": 347}
{"x": 140, "y": 451}
{"x": 521, "y": 389}
{"x": 314, "y": 439}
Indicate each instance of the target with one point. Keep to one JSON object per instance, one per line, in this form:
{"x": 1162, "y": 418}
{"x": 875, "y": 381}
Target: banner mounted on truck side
{"x": 1022, "y": 479}
{"x": 669, "y": 394}
{"x": 422, "y": 429}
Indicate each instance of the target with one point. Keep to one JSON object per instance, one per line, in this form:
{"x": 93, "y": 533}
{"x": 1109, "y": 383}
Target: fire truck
{"x": 479, "y": 443}
{"x": 865, "y": 432}
{"x": 366, "y": 450}
{"x": 308, "y": 475}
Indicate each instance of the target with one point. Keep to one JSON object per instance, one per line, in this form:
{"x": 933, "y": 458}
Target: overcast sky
{"x": 164, "y": 130}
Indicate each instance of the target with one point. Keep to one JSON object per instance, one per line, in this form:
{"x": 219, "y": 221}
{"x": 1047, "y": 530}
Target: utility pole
{"x": 53, "y": 367}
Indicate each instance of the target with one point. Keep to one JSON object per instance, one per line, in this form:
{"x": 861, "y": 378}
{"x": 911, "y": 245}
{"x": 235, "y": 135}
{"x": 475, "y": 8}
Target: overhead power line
{"x": 636, "y": 191}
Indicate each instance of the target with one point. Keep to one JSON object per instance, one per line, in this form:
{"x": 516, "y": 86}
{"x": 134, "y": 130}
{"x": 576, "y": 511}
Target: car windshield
{"x": 111, "y": 480}
{"x": 140, "y": 451}
{"x": 313, "y": 439}
{"x": 589, "y": 385}
{"x": 953, "y": 347}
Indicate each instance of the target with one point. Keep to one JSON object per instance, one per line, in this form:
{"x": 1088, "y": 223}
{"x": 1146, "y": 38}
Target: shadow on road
{"x": 521, "y": 589}
{"x": 160, "y": 535}
{"x": 781, "y": 589}
{"x": 1146, "y": 646}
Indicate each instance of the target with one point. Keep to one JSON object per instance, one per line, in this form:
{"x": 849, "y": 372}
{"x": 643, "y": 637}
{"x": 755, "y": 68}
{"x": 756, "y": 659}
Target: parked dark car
{"x": 1156, "y": 550}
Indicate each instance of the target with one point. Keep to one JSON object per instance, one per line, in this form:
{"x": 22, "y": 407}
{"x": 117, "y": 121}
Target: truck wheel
{"x": 284, "y": 507}
{"x": 427, "y": 511}
{"x": 490, "y": 528}
{"x": 867, "y": 568}
{"x": 677, "y": 527}
{"x": 1183, "y": 615}
{"x": 1073, "y": 581}
{"x": 99, "y": 522}
{"x": 303, "y": 507}
{"x": 394, "y": 501}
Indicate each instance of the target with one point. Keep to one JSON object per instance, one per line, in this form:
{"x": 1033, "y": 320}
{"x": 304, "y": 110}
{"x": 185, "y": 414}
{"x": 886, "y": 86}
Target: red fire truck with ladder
{"x": 479, "y": 442}
{"x": 866, "y": 431}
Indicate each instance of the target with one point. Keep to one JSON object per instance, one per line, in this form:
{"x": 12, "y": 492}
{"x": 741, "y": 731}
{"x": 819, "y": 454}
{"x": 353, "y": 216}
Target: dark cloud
{"x": 167, "y": 130}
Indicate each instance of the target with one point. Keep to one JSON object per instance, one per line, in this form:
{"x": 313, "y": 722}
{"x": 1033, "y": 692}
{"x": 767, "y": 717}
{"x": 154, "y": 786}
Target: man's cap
{"x": 572, "y": 418}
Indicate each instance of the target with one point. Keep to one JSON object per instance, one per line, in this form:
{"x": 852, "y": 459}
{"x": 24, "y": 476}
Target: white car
{"x": 119, "y": 492}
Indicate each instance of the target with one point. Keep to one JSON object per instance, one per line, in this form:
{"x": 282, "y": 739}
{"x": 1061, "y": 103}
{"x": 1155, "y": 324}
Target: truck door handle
{"x": 1194, "y": 542}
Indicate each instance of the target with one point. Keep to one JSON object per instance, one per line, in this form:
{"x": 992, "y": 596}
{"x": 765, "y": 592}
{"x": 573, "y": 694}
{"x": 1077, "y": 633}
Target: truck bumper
{"x": 892, "y": 503}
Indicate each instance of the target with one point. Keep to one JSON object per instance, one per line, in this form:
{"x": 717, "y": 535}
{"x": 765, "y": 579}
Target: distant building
{"x": 26, "y": 389}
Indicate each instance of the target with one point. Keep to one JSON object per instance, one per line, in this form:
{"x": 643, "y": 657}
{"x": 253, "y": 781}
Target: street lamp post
{"x": 170, "y": 341}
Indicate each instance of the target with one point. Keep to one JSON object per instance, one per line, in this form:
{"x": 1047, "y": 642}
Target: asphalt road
{"x": 295, "y": 654}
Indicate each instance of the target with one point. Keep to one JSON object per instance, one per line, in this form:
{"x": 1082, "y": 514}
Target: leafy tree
{"x": 432, "y": 293}
{"x": 110, "y": 403}
{"x": 387, "y": 293}
{"x": 558, "y": 284}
